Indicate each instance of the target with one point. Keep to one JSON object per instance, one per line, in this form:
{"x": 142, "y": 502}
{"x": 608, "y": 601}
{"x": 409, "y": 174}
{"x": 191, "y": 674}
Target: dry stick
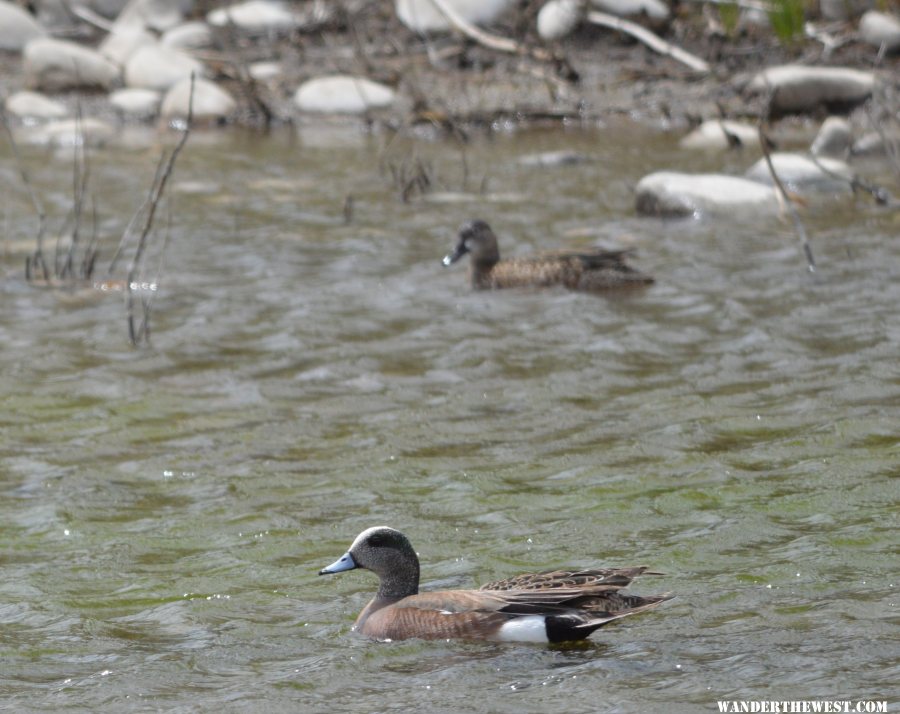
{"x": 654, "y": 42}
{"x": 780, "y": 190}
{"x": 147, "y": 296}
{"x": 80, "y": 174}
{"x": 156, "y": 192}
{"x": 36, "y": 259}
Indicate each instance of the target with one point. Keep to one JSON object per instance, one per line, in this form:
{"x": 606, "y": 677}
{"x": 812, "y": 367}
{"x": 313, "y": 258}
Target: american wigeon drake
{"x": 590, "y": 270}
{"x": 555, "y": 606}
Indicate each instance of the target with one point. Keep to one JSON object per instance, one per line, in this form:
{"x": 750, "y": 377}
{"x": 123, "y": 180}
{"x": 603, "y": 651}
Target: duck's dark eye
{"x": 377, "y": 540}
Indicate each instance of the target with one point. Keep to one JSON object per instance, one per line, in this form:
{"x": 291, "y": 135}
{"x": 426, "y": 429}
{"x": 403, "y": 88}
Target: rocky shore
{"x": 417, "y": 62}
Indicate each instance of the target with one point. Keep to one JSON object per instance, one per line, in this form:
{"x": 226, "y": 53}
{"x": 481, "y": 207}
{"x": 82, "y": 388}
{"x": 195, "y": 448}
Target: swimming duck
{"x": 590, "y": 270}
{"x": 556, "y": 606}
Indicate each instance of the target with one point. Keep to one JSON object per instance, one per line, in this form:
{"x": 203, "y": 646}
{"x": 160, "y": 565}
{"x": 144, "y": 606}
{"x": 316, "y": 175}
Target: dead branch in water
{"x": 35, "y": 261}
{"x": 781, "y": 192}
{"x": 140, "y": 333}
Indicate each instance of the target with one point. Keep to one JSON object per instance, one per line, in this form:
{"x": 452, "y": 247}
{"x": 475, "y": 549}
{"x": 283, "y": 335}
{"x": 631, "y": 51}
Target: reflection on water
{"x": 164, "y": 512}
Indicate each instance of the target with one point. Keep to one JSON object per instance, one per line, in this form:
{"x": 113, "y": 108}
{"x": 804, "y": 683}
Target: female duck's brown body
{"x": 588, "y": 271}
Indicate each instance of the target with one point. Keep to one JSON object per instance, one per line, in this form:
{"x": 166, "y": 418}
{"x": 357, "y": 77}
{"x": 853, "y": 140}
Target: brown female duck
{"x": 590, "y": 271}
{"x": 556, "y": 606}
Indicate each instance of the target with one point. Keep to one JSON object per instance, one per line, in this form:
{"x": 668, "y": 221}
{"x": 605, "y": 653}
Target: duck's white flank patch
{"x": 530, "y": 628}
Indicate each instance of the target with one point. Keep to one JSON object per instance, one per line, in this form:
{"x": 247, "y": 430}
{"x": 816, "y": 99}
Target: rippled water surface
{"x": 163, "y": 512}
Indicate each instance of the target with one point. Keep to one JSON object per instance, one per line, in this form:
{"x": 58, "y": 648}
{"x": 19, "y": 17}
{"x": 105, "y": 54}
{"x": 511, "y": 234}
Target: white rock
{"x": 655, "y": 10}
{"x": 799, "y": 88}
{"x": 264, "y": 71}
{"x": 155, "y": 67}
{"x": 880, "y": 29}
{"x": 833, "y": 140}
{"x": 119, "y": 45}
{"x": 557, "y": 18}
{"x": 189, "y": 36}
{"x": 58, "y": 65}
{"x": 157, "y": 15}
{"x": 342, "y": 94}
{"x": 255, "y": 16}
{"x": 17, "y": 28}
{"x": 211, "y": 102}
{"x": 422, "y": 15}
{"x": 31, "y": 105}
{"x": 141, "y": 103}
{"x": 671, "y": 193}
{"x": 72, "y": 132}
{"x": 711, "y": 134}
{"x": 803, "y": 173}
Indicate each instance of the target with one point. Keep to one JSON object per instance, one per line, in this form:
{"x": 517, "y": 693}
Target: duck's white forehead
{"x": 367, "y": 532}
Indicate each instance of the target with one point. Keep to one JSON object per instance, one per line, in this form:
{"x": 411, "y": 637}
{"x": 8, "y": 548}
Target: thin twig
{"x": 654, "y": 42}
{"x": 139, "y": 334}
{"x": 36, "y": 259}
{"x": 779, "y": 187}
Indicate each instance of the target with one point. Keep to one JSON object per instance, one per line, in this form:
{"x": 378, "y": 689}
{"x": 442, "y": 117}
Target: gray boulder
{"x": 342, "y": 94}
{"x": 671, "y": 193}
{"x": 801, "y": 89}
{"x": 211, "y": 102}
{"x": 256, "y": 16}
{"x": 58, "y": 65}
{"x": 31, "y": 105}
{"x": 714, "y": 134}
{"x": 137, "y": 103}
{"x": 423, "y": 16}
{"x": 189, "y": 36}
{"x": 881, "y": 30}
{"x": 654, "y": 10}
{"x": 157, "y": 67}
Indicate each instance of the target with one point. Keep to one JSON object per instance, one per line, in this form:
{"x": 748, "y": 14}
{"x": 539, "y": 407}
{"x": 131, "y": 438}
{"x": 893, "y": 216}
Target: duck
{"x": 549, "y": 607}
{"x": 589, "y": 271}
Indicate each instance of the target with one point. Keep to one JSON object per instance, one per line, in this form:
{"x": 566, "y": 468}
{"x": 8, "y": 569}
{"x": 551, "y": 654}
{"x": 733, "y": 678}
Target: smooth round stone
{"x": 423, "y": 16}
{"x": 56, "y": 65}
{"x": 31, "y": 105}
{"x": 803, "y": 173}
{"x": 120, "y": 44}
{"x": 156, "y": 67}
{"x": 833, "y": 140}
{"x": 156, "y": 15}
{"x": 881, "y": 30}
{"x": 800, "y": 88}
{"x": 655, "y": 10}
{"x": 558, "y": 18}
{"x": 87, "y": 131}
{"x": 255, "y": 16}
{"x": 711, "y": 134}
{"x": 211, "y": 102}
{"x": 342, "y": 94}
{"x": 17, "y": 27}
{"x": 264, "y": 71}
{"x": 189, "y": 36}
{"x": 141, "y": 103}
{"x": 872, "y": 144}
{"x": 671, "y": 193}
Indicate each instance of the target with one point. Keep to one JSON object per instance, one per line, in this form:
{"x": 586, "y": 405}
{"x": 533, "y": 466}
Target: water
{"x": 164, "y": 511}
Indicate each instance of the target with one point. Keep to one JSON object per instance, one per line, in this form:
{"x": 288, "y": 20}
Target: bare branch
{"x": 139, "y": 334}
{"x": 654, "y": 42}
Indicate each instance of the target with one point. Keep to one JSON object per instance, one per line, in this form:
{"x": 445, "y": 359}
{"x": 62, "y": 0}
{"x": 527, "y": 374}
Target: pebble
{"x": 342, "y": 94}
{"x": 672, "y": 193}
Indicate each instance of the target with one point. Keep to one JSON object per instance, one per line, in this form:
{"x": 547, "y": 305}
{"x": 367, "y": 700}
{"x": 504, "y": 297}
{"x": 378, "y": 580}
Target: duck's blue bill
{"x": 345, "y": 562}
